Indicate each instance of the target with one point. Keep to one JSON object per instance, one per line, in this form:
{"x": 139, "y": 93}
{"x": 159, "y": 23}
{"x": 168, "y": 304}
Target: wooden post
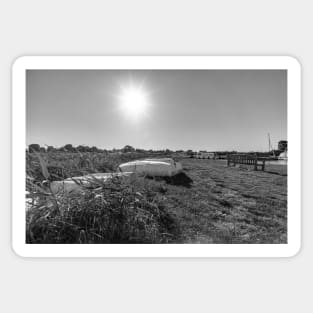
{"x": 255, "y": 162}
{"x": 228, "y": 160}
{"x": 263, "y": 165}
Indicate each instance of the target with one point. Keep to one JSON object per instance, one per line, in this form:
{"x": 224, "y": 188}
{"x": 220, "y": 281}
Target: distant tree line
{"x": 65, "y": 148}
{"x": 127, "y": 149}
{"x": 84, "y": 148}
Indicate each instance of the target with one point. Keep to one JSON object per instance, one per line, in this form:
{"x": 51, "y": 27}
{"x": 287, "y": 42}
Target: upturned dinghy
{"x": 76, "y": 183}
{"x": 165, "y": 167}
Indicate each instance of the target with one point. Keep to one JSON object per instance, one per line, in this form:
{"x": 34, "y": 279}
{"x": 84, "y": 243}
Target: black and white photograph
{"x": 182, "y": 156}
{"x": 156, "y": 156}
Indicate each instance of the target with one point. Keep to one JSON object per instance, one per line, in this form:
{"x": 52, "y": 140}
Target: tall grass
{"x": 63, "y": 164}
{"x": 122, "y": 210}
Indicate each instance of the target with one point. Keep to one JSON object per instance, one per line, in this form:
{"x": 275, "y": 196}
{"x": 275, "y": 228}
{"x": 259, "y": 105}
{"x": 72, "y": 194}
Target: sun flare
{"x": 134, "y": 102}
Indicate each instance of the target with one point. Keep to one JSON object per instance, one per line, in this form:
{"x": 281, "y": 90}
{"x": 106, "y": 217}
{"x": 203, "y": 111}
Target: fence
{"x": 247, "y": 159}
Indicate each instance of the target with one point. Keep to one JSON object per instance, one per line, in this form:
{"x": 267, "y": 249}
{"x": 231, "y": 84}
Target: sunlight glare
{"x": 134, "y": 102}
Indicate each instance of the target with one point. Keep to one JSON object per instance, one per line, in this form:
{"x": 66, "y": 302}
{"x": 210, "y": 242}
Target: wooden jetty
{"x": 247, "y": 159}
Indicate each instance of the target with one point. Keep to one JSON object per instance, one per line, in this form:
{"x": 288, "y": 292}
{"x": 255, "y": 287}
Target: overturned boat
{"x": 76, "y": 183}
{"x": 163, "y": 167}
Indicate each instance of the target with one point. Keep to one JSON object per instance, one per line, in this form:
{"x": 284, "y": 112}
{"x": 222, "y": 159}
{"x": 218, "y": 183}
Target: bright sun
{"x": 134, "y": 102}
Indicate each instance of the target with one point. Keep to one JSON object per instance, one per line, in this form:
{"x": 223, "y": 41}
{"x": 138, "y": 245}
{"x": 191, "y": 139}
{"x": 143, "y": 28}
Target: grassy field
{"x": 231, "y": 204}
{"x": 209, "y": 203}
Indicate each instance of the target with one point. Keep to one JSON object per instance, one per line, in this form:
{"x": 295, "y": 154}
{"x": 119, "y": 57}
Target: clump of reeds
{"x": 62, "y": 165}
{"x": 121, "y": 210}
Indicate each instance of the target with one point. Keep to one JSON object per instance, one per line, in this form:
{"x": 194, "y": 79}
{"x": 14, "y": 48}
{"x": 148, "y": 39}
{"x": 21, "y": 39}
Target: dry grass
{"x": 231, "y": 205}
{"x": 211, "y": 204}
{"x": 123, "y": 210}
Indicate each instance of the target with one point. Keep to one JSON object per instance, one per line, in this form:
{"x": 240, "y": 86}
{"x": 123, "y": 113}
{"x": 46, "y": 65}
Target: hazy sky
{"x": 182, "y": 109}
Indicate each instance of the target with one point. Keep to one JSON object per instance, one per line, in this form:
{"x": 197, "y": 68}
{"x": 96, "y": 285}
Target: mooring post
{"x": 263, "y": 165}
{"x": 229, "y": 159}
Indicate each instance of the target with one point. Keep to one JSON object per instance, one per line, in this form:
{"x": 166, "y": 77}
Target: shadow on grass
{"x": 180, "y": 179}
